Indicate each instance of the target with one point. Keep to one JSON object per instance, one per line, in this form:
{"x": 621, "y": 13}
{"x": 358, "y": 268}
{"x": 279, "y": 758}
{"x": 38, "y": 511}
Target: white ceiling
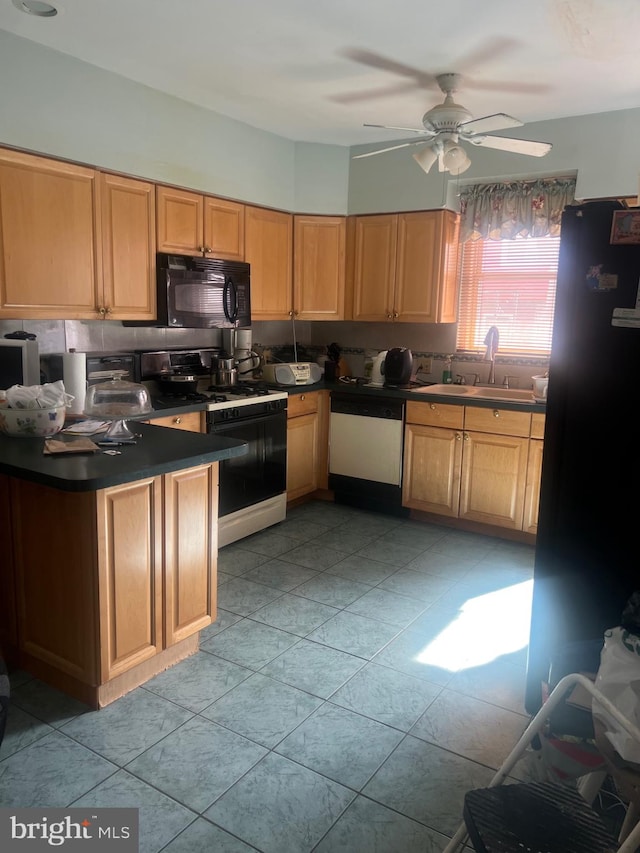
{"x": 282, "y": 65}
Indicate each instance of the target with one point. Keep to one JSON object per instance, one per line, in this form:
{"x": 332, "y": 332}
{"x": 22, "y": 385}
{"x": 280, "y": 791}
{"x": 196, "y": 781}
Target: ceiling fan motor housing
{"x": 446, "y": 116}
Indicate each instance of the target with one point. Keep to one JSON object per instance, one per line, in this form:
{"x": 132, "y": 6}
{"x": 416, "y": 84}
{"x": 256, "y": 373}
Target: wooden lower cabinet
{"x": 307, "y": 443}
{"x": 475, "y": 464}
{"x": 113, "y": 586}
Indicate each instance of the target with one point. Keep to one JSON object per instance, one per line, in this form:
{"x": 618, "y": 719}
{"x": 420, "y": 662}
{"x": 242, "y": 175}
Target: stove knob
{"x": 235, "y": 413}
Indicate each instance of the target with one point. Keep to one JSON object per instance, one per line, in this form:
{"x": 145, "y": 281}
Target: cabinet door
{"x": 532, "y": 492}
{"x": 180, "y": 217}
{"x": 417, "y": 268}
{"x": 50, "y": 263}
{"x": 302, "y": 453}
{"x": 432, "y": 465}
{"x": 129, "y": 574}
{"x": 494, "y": 470}
{"x": 319, "y": 267}
{"x": 223, "y": 229}
{"x": 189, "y": 421}
{"x": 268, "y": 248}
{"x": 374, "y": 267}
{"x": 55, "y": 580}
{"x": 191, "y": 545}
{"x": 128, "y": 248}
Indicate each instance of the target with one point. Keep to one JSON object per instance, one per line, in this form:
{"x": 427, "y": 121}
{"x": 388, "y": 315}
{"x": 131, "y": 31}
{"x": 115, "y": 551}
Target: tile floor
{"x": 344, "y": 699}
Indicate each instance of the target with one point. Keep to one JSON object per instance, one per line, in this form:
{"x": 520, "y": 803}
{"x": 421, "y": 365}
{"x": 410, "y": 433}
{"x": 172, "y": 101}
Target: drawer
{"x": 435, "y": 414}
{"x": 302, "y": 404}
{"x": 190, "y": 421}
{"x": 537, "y": 425}
{"x": 498, "y": 421}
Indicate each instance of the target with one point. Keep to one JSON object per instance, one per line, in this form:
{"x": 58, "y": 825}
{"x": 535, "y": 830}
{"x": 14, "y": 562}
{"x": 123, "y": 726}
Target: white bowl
{"x": 32, "y": 423}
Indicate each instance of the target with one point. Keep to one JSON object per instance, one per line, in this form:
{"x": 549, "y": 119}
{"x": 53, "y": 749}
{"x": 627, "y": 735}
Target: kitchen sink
{"x": 478, "y": 392}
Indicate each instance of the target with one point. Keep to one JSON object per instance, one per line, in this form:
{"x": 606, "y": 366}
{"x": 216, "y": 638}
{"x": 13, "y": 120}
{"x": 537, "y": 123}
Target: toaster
{"x": 398, "y": 366}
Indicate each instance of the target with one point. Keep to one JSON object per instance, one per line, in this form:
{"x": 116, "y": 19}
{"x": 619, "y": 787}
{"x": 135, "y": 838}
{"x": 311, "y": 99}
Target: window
{"x": 510, "y": 236}
{"x": 510, "y": 284}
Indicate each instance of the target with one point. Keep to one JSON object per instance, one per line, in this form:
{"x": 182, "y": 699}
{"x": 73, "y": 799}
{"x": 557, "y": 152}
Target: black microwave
{"x": 203, "y": 293}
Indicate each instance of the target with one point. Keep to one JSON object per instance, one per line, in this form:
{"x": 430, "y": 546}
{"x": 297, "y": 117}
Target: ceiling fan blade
{"x": 369, "y": 94}
{"x": 491, "y": 48}
{"x": 422, "y": 130}
{"x": 375, "y": 60}
{"x": 391, "y": 148}
{"x": 485, "y": 124}
{"x": 517, "y": 146}
{"x": 506, "y": 86}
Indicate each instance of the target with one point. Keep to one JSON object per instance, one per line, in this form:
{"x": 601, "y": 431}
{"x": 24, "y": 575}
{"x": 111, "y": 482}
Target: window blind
{"x": 510, "y": 284}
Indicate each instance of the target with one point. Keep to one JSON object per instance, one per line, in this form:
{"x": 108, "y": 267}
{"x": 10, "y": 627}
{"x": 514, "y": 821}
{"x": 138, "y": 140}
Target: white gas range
{"x": 252, "y": 493}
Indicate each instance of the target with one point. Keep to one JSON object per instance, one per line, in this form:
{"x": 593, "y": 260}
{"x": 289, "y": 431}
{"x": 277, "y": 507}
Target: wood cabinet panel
{"x": 493, "y": 479}
{"x": 223, "y": 228}
{"x": 435, "y": 414}
{"x": 532, "y": 491}
{"x": 302, "y": 404}
{"x": 432, "y": 469}
{"x": 180, "y": 217}
{"x": 417, "y": 268}
{"x": 502, "y": 421}
{"x": 128, "y": 248}
{"x": 129, "y": 519}
{"x": 319, "y": 246}
{"x": 189, "y": 421}
{"x": 302, "y": 450}
{"x": 537, "y": 425}
{"x": 268, "y": 248}
{"x": 56, "y": 577}
{"x": 50, "y": 258}
{"x": 374, "y": 267}
{"x": 191, "y": 545}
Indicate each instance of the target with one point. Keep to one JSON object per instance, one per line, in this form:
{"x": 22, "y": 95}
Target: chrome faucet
{"x": 492, "y": 341}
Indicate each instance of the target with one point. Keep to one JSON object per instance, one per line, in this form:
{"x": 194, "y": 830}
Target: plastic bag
{"x": 47, "y": 396}
{"x": 618, "y": 678}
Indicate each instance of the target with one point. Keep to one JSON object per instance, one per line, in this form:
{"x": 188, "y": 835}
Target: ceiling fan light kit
{"x": 445, "y": 126}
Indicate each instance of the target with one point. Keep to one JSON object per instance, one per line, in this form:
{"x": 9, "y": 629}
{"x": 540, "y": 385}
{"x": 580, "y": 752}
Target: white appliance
{"x": 377, "y": 370}
{"x": 293, "y": 373}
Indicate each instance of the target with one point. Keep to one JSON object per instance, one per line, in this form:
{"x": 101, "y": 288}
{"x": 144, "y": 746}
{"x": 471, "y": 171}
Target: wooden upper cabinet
{"x": 319, "y": 267}
{"x": 193, "y": 224}
{"x": 405, "y": 267}
{"x": 268, "y": 248}
{"x": 50, "y": 258}
{"x": 128, "y": 248}
{"x": 375, "y": 240}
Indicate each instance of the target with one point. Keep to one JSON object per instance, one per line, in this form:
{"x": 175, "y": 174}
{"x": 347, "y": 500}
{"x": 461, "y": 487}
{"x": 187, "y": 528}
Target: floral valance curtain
{"x": 514, "y": 209}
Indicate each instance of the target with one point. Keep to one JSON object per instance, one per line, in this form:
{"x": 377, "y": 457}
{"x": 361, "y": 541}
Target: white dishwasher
{"x": 365, "y": 451}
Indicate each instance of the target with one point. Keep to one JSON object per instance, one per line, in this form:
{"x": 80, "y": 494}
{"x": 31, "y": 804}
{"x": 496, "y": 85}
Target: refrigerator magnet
{"x": 625, "y": 227}
{"x": 598, "y": 280}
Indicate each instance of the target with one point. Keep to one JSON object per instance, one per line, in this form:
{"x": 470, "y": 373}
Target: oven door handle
{"x": 222, "y": 426}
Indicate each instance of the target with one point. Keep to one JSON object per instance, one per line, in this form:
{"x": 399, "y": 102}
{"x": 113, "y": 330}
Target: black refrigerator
{"x": 587, "y": 546}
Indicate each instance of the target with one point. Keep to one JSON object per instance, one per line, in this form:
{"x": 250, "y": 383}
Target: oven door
{"x": 262, "y": 472}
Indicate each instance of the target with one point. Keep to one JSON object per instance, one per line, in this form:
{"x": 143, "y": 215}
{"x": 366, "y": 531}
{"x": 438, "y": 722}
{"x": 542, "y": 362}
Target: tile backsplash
{"x": 431, "y": 342}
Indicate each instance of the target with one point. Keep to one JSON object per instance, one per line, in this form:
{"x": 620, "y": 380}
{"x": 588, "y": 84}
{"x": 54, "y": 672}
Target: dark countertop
{"x": 410, "y": 394}
{"x": 158, "y": 451}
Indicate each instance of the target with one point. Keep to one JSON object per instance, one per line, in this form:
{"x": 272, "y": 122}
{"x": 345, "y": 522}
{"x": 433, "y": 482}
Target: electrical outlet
{"x": 425, "y": 365}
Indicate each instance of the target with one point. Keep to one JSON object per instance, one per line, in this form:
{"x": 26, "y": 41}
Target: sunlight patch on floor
{"x": 487, "y": 627}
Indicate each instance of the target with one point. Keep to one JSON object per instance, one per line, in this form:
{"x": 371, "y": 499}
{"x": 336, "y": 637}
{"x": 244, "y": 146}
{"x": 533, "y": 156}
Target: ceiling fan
{"x": 448, "y": 124}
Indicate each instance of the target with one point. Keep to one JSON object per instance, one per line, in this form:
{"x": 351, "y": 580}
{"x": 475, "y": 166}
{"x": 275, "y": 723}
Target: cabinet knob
{"x": 302, "y": 396}
{"x": 102, "y": 310}
{"x": 203, "y": 249}
{"x": 459, "y": 437}
{"x": 291, "y": 313}
{"x": 389, "y": 316}
{"x": 395, "y": 315}
{"x": 177, "y": 420}
{"x": 466, "y": 436}
{"x": 208, "y": 249}
{"x": 109, "y": 311}
{"x": 496, "y": 413}
{"x": 432, "y": 406}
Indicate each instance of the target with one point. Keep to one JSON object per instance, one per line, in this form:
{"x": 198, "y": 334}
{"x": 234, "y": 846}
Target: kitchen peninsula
{"x": 109, "y": 563}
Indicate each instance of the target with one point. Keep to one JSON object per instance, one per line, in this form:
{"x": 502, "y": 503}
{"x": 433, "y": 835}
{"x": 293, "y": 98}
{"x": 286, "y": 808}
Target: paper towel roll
{"x": 74, "y": 376}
